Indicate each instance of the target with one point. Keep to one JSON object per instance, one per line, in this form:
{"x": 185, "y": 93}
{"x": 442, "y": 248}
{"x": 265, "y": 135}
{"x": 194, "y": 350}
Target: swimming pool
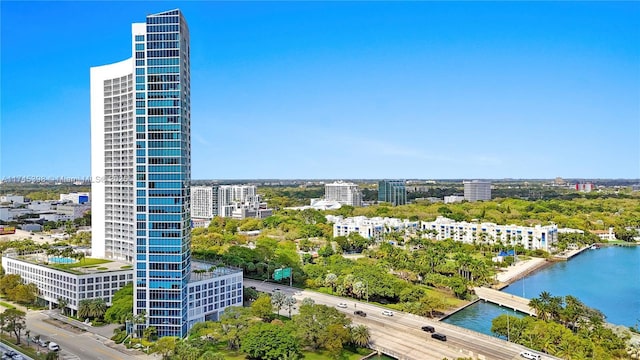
{"x": 62, "y": 260}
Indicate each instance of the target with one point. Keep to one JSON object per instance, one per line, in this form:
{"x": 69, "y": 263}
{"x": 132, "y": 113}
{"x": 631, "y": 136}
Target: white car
{"x": 387, "y": 312}
{"x": 530, "y": 355}
{"x": 53, "y": 346}
{"x": 342, "y": 305}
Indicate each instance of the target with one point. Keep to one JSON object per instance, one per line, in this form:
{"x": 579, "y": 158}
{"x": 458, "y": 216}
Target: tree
{"x": 234, "y": 323}
{"x": 121, "y": 305}
{"x": 166, "y": 346}
{"x": 262, "y": 307}
{"x": 289, "y": 302}
{"x": 150, "y": 333}
{"x": 14, "y": 321}
{"x": 270, "y": 342}
{"x": 62, "y": 305}
{"x": 360, "y": 335}
{"x": 278, "y": 300}
{"x": 9, "y": 282}
{"x": 211, "y": 355}
{"x": 313, "y": 324}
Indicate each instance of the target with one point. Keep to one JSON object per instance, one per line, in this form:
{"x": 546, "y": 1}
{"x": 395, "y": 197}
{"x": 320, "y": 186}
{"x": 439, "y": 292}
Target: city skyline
{"x": 348, "y": 90}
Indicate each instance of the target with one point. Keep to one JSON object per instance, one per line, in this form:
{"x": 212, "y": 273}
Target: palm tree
{"x": 62, "y": 304}
{"x": 360, "y": 335}
{"x": 84, "y": 308}
{"x": 539, "y": 307}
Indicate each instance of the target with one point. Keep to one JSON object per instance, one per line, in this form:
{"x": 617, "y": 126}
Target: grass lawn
{"x": 81, "y": 263}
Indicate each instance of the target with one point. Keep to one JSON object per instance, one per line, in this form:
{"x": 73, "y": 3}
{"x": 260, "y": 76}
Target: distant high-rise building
{"x": 477, "y": 190}
{"x": 204, "y": 202}
{"x": 344, "y": 193}
{"x": 392, "y": 191}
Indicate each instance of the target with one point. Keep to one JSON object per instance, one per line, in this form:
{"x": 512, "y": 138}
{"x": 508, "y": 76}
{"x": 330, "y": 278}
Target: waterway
{"x": 607, "y": 279}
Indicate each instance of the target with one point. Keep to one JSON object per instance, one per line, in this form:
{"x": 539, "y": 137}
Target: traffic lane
{"x": 84, "y": 346}
{"x": 461, "y": 337}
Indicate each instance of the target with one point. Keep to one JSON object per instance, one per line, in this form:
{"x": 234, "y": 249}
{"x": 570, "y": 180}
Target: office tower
{"x": 392, "y": 191}
{"x": 477, "y": 190}
{"x": 142, "y": 149}
{"x": 344, "y": 193}
{"x": 204, "y": 202}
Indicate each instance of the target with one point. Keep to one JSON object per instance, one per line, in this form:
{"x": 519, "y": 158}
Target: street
{"x": 402, "y": 333}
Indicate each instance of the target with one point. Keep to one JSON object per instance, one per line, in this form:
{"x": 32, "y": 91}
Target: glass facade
{"x": 392, "y": 191}
{"x": 163, "y": 172}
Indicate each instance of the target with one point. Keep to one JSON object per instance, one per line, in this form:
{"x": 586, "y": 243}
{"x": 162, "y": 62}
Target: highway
{"x": 401, "y": 334}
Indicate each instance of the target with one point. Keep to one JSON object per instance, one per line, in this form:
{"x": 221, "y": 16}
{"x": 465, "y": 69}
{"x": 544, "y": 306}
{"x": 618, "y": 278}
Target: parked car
{"x": 387, "y": 313}
{"x": 43, "y": 342}
{"x": 429, "y": 328}
{"x": 53, "y": 346}
{"x": 530, "y": 355}
{"x": 17, "y": 357}
{"x": 342, "y": 305}
{"x": 360, "y": 313}
{"x": 439, "y": 336}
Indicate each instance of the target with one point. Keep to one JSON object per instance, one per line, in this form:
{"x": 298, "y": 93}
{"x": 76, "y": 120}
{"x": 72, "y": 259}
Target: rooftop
{"x": 75, "y": 266}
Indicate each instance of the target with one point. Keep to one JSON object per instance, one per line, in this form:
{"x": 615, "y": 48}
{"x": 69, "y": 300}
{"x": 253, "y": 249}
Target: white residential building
{"x": 241, "y": 201}
{"x": 476, "y": 190}
{"x": 453, "y": 199}
{"x": 370, "y": 228}
{"x": 606, "y": 235}
{"x": 536, "y": 237}
{"x": 204, "y": 202}
{"x": 344, "y": 193}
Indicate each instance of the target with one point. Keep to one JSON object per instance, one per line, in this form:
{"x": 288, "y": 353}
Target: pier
{"x": 503, "y": 299}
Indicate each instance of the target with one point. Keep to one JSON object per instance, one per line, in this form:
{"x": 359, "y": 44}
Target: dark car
{"x": 252, "y": 287}
{"x": 360, "y": 313}
{"x": 429, "y": 328}
{"x": 439, "y": 336}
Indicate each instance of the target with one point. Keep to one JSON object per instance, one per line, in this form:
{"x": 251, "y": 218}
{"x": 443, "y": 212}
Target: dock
{"x": 503, "y": 299}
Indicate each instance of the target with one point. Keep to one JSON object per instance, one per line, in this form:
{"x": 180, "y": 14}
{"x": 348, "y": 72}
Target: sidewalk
{"x": 103, "y": 333}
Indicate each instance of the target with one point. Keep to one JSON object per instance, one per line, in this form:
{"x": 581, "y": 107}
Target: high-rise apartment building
{"x": 231, "y": 197}
{"x": 477, "y": 190}
{"x": 392, "y": 191}
{"x": 344, "y": 193}
{"x": 141, "y": 167}
{"x": 204, "y": 202}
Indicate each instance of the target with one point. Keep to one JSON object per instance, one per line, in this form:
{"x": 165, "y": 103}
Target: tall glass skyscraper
{"x": 141, "y": 164}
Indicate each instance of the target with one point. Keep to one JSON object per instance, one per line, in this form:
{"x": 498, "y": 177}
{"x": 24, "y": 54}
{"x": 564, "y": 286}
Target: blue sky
{"x": 346, "y": 89}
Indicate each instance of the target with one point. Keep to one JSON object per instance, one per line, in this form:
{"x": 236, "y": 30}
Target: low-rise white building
{"x": 76, "y": 197}
{"x": 536, "y": 237}
{"x": 72, "y": 211}
{"x": 210, "y": 289}
{"x": 12, "y": 199}
{"x": 453, "y": 199}
{"x": 606, "y": 235}
{"x": 370, "y": 228}
{"x": 71, "y": 285}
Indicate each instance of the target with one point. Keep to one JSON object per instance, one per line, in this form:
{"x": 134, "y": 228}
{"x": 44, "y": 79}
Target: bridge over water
{"x": 503, "y": 299}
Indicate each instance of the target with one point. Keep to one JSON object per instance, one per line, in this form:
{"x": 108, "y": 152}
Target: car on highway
{"x": 439, "y": 336}
{"x": 429, "y": 328}
{"x": 276, "y": 289}
{"x": 360, "y": 313}
{"x": 387, "y": 312}
{"x": 53, "y": 346}
{"x": 17, "y": 357}
{"x": 342, "y": 305}
{"x": 252, "y": 287}
{"x": 530, "y": 355}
